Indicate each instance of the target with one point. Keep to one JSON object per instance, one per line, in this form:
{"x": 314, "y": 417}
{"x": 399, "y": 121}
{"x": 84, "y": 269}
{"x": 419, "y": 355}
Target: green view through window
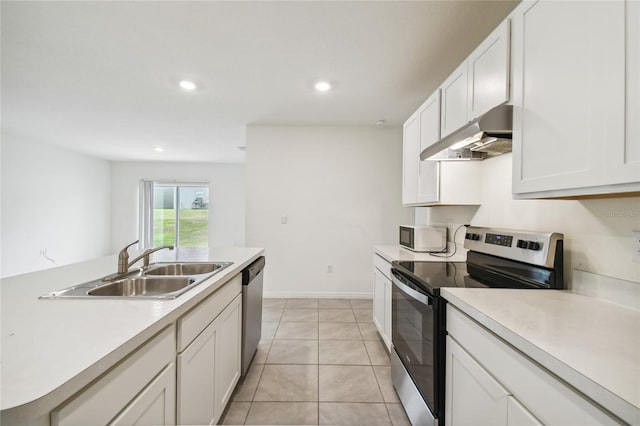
{"x": 180, "y": 215}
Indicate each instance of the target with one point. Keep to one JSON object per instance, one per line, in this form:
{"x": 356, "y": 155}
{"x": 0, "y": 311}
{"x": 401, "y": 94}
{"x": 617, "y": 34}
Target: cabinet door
{"x": 387, "y": 312}
{"x": 624, "y": 159}
{"x": 101, "y": 402}
{"x": 568, "y": 81}
{"x": 410, "y": 147}
{"x": 473, "y": 396}
{"x": 429, "y": 133}
{"x": 228, "y": 348}
{"x": 455, "y": 94}
{"x": 517, "y": 415}
{"x": 489, "y": 72}
{"x": 155, "y": 405}
{"x": 378, "y": 300}
{"x": 196, "y": 380}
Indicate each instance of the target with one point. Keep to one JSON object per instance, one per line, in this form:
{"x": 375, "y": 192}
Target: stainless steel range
{"x": 496, "y": 258}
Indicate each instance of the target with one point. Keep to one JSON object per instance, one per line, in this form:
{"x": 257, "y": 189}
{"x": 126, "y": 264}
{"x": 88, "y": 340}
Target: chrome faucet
{"x": 123, "y": 257}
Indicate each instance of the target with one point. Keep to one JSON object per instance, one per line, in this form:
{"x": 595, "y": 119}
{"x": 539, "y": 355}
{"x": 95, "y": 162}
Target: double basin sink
{"x": 157, "y": 281}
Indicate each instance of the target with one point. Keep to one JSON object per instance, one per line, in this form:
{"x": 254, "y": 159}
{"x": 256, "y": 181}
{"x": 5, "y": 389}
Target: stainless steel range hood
{"x": 487, "y": 136}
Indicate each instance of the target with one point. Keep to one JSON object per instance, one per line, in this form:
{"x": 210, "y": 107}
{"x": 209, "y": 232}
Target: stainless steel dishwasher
{"x": 252, "y": 277}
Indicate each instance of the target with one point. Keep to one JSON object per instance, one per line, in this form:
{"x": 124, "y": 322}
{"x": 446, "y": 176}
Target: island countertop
{"x": 51, "y": 349}
{"x": 592, "y": 344}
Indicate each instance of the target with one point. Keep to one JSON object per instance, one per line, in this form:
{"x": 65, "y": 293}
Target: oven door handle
{"x": 416, "y": 295}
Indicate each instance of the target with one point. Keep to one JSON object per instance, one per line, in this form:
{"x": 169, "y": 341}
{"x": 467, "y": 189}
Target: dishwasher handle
{"x": 253, "y": 270}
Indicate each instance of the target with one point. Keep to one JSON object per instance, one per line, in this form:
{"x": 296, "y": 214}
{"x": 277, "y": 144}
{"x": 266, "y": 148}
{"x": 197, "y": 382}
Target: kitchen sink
{"x": 185, "y": 268}
{"x": 158, "y": 281}
{"x": 142, "y": 286}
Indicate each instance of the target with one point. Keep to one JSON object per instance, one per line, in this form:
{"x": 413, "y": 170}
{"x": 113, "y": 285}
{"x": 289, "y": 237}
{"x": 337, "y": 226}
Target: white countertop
{"x": 391, "y": 253}
{"x": 592, "y": 344}
{"x": 52, "y": 348}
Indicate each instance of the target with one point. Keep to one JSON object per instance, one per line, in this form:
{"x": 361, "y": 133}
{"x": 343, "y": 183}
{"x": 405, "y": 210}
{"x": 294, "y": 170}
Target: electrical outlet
{"x": 635, "y": 246}
{"x": 329, "y": 269}
{"x": 284, "y": 220}
{"x": 43, "y": 252}
{"x": 447, "y": 223}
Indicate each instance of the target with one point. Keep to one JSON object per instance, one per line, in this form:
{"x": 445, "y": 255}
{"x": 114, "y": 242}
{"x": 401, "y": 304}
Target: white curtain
{"x": 145, "y": 212}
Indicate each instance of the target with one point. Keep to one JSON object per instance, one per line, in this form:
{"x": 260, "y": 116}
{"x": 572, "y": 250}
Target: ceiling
{"x": 101, "y": 77}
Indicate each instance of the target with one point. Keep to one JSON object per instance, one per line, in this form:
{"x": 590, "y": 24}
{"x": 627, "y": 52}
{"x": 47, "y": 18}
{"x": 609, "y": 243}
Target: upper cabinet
{"x": 488, "y": 68}
{"x": 420, "y": 178}
{"x": 480, "y": 83}
{"x": 576, "y": 98}
{"x": 455, "y": 97}
{"x": 429, "y": 182}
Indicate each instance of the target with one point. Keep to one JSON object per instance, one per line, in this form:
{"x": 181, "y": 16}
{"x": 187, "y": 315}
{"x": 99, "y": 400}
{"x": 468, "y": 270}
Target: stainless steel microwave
{"x": 426, "y": 239}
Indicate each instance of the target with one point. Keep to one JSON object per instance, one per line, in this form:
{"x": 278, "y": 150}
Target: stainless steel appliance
{"x": 486, "y": 136}
{"x": 497, "y": 258}
{"x": 252, "y": 282}
{"x": 426, "y": 239}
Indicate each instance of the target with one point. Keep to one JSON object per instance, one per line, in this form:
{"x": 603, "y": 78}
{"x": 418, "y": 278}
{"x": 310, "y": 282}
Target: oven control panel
{"x": 537, "y": 248}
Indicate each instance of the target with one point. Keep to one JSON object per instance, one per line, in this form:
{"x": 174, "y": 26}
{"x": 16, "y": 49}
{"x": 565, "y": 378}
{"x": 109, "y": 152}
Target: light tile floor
{"x": 320, "y": 362}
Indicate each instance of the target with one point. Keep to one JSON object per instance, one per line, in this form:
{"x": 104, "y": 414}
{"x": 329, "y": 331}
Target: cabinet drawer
{"x": 102, "y": 401}
{"x": 382, "y": 265}
{"x": 548, "y": 398}
{"x": 196, "y": 320}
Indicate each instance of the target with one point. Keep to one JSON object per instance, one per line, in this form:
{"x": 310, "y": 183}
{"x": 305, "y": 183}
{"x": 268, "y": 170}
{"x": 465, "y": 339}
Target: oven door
{"x": 414, "y": 335}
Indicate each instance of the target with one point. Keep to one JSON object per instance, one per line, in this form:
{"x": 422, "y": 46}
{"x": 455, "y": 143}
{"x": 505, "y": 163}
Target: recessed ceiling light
{"x": 322, "y": 86}
{"x": 380, "y": 123}
{"x": 158, "y": 149}
{"x": 242, "y": 148}
{"x": 187, "y": 85}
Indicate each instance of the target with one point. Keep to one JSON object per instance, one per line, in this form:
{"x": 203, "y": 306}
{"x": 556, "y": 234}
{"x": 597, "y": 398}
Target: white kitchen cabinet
{"x": 196, "y": 380}
{"x": 382, "y": 298}
{"x": 432, "y": 183}
{"x": 140, "y": 388}
{"x": 156, "y": 405}
{"x": 387, "y": 312}
{"x": 575, "y": 97}
{"x": 420, "y": 178}
{"x": 517, "y": 415}
{"x": 455, "y": 99}
{"x": 378, "y": 300}
{"x": 496, "y": 384}
{"x": 228, "y": 353}
{"x": 209, "y": 367}
{"x": 488, "y": 69}
{"x": 473, "y": 396}
{"x": 479, "y": 84}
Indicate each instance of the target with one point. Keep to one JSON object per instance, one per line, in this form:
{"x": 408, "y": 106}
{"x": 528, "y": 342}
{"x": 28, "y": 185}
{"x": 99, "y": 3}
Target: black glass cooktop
{"x": 434, "y": 275}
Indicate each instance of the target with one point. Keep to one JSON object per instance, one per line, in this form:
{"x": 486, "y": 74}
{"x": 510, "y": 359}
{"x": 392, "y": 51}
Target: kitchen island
{"x": 53, "y": 349}
{"x": 587, "y": 350}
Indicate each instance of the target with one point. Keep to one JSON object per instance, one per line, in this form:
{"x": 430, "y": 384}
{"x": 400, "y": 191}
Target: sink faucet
{"x": 123, "y": 257}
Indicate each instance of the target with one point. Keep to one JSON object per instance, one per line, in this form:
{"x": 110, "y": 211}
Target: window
{"x": 174, "y": 213}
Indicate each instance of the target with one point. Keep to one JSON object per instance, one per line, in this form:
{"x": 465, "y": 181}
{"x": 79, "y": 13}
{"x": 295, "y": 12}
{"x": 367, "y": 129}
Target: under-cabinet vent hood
{"x": 487, "y": 136}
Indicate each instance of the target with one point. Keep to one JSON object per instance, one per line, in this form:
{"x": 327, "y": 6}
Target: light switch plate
{"x": 635, "y": 246}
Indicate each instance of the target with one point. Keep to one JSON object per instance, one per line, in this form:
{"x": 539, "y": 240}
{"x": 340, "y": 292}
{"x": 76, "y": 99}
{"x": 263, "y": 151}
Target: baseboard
{"x": 315, "y": 295}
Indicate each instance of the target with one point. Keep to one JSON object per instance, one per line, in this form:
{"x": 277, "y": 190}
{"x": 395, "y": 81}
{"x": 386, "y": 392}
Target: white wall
{"x": 53, "y": 200}
{"x": 340, "y": 189}
{"x": 597, "y": 231}
{"x": 226, "y": 198}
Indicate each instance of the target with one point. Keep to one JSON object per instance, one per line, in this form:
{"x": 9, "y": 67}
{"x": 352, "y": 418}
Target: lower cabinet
{"x": 156, "y": 405}
{"x": 140, "y": 390}
{"x": 184, "y": 375}
{"x": 474, "y": 397}
{"x": 490, "y": 383}
{"x": 382, "y": 298}
{"x": 209, "y": 368}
